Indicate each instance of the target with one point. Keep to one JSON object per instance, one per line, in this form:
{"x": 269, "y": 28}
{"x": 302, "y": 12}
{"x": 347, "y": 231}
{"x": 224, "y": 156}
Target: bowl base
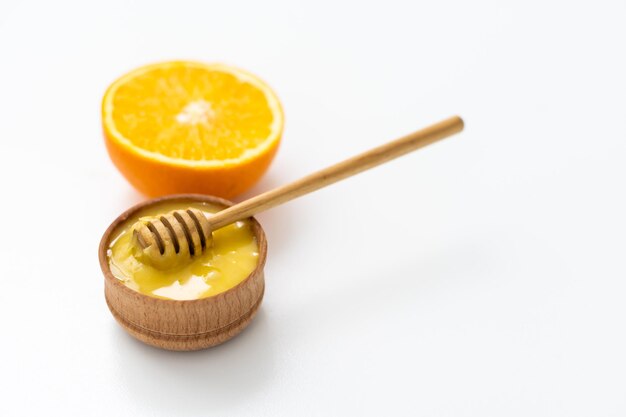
{"x": 188, "y": 342}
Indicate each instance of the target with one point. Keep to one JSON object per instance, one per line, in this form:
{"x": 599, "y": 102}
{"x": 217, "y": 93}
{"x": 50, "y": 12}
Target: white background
{"x": 484, "y": 276}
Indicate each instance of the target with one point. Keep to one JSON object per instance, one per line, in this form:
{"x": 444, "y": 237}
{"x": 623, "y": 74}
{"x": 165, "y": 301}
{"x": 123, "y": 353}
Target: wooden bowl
{"x": 187, "y": 324}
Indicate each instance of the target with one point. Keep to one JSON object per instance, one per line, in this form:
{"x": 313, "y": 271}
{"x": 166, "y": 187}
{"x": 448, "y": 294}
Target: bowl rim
{"x": 120, "y": 286}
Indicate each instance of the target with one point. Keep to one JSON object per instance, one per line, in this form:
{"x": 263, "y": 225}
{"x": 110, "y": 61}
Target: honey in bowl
{"x": 232, "y": 257}
{"x": 198, "y": 304}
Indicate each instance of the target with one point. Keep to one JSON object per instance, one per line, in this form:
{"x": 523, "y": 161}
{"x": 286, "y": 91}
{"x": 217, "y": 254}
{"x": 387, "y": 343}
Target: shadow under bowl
{"x": 183, "y": 324}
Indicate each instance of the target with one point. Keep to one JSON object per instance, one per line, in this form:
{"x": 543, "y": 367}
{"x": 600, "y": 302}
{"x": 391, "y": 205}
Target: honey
{"x": 232, "y": 257}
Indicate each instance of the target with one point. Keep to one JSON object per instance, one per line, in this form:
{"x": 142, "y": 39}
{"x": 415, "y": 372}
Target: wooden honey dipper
{"x": 179, "y": 235}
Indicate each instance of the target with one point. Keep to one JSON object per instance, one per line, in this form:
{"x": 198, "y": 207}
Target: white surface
{"x": 496, "y": 288}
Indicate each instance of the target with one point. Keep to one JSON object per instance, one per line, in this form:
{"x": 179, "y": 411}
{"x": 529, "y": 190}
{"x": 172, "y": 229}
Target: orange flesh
{"x": 219, "y": 115}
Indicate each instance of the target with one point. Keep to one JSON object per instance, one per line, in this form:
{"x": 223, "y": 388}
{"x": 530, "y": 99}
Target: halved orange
{"x": 189, "y": 127}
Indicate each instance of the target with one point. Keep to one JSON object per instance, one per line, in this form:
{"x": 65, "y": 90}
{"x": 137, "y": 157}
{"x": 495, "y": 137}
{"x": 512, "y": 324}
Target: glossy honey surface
{"x": 232, "y": 257}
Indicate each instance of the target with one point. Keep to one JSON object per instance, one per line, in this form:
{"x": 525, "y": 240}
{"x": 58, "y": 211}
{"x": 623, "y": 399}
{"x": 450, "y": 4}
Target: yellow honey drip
{"x": 232, "y": 258}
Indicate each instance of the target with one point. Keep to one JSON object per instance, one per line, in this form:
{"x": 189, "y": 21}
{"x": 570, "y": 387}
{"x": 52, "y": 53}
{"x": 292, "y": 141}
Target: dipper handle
{"x": 337, "y": 172}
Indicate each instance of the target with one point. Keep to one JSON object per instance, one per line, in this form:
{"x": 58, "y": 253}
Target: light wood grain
{"x": 189, "y": 324}
{"x": 338, "y": 172}
{"x": 177, "y": 243}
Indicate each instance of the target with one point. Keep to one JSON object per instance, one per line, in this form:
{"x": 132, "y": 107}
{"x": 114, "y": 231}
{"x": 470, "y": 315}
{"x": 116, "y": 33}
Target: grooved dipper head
{"x": 170, "y": 240}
